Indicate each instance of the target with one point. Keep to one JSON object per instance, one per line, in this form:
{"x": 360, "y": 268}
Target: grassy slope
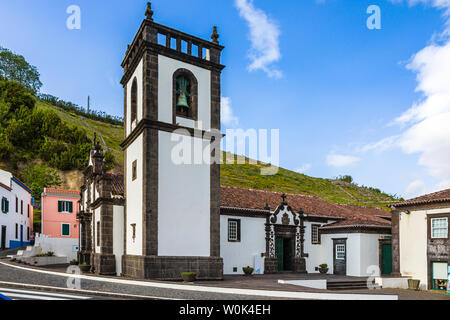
{"x": 248, "y": 175}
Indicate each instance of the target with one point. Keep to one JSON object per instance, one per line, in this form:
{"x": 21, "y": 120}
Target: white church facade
{"x": 162, "y": 218}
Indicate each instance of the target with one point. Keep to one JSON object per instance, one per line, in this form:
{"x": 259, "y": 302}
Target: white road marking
{"x": 233, "y": 291}
{"x": 8, "y": 292}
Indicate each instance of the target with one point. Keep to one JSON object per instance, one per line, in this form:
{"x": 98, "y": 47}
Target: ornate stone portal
{"x": 284, "y": 240}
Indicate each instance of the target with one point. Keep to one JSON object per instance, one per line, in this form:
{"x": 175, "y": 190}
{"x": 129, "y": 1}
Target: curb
{"x": 123, "y": 296}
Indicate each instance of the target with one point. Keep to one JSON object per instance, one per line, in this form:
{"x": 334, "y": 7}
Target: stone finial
{"x": 149, "y": 11}
{"x": 215, "y": 36}
{"x": 284, "y": 196}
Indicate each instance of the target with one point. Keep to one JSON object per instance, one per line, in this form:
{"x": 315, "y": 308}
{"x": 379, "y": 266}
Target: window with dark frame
{"x": 134, "y": 94}
{"x": 5, "y": 205}
{"x": 134, "y": 170}
{"x": 234, "y": 230}
{"x": 315, "y": 234}
{"x": 17, "y": 205}
{"x": 17, "y": 231}
{"x": 21, "y": 206}
{"x": 28, "y": 233}
{"x": 65, "y": 230}
{"x": 98, "y": 233}
{"x": 133, "y": 226}
{"x": 65, "y": 206}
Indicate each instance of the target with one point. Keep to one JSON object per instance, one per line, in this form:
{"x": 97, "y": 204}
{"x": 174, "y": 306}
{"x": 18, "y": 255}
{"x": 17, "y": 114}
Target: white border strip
{"x": 234, "y": 291}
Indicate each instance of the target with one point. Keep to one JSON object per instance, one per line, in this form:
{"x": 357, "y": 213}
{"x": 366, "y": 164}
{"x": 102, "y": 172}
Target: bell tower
{"x": 172, "y": 210}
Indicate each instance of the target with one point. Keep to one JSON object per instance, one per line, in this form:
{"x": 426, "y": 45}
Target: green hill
{"x": 246, "y": 175}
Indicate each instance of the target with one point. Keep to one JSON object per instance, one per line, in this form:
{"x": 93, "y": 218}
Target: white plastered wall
{"x": 118, "y": 237}
{"x": 242, "y": 254}
{"x": 183, "y": 202}
{"x": 134, "y": 196}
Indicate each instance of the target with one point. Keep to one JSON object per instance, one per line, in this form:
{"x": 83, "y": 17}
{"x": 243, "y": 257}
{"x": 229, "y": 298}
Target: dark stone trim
{"x": 193, "y": 95}
{"x": 103, "y": 264}
{"x": 156, "y": 49}
{"x": 150, "y": 192}
{"x": 396, "y": 243}
{"x": 313, "y": 218}
{"x": 106, "y": 201}
{"x": 237, "y": 212}
{"x": 438, "y": 250}
{"x": 163, "y": 126}
{"x": 170, "y": 268}
{"x": 359, "y": 229}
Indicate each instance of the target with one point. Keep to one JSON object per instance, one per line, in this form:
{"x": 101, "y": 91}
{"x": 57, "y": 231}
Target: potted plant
{"x": 413, "y": 284}
{"x": 188, "y": 276}
{"x": 248, "y": 270}
{"x": 74, "y": 262}
{"x": 323, "y": 268}
{"x": 84, "y": 267}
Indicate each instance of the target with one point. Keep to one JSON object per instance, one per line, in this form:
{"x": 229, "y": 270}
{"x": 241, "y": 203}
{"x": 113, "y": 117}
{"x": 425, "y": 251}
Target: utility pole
{"x": 89, "y": 105}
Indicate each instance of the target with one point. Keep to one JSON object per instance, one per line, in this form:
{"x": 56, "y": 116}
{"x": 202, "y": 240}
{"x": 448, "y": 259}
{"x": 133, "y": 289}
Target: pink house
{"x": 59, "y": 210}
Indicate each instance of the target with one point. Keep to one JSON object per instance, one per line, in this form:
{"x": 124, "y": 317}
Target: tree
{"x": 14, "y": 67}
{"x": 39, "y": 177}
{"x": 346, "y": 178}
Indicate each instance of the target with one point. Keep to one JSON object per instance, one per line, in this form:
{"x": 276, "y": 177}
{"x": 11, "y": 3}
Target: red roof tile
{"x": 117, "y": 184}
{"x": 311, "y": 205}
{"x": 436, "y": 197}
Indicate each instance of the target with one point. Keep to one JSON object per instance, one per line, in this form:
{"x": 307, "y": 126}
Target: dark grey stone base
{"x": 170, "y": 268}
{"x": 84, "y": 256}
{"x": 270, "y": 265}
{"x": 299, "y": 265}
{"x": 104, "y": 264}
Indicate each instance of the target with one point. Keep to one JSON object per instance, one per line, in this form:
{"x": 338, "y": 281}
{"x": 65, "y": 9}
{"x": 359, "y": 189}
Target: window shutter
{"x": 7, "y": 206}
{"x": 70, "y": 207}
{"x": 3, "y": 205}
{"x": 239, "y": 230}
{"x": 59, "y": 206}
{"x": 65, "y": 229}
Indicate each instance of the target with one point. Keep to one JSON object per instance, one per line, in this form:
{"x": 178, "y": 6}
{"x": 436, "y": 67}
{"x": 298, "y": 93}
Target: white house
{"x": 420, "y": 239}
{"x": 16, "y": 215}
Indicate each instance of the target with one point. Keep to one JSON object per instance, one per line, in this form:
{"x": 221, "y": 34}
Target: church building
{"x": 162, "y": 218}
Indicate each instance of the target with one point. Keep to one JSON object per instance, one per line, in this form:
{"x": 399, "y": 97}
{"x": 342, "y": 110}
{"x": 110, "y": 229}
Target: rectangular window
{"x": 134, "y": 170}
{"x": 340, "y": 251}
{"x": 28, "y": 233}
{"x": 65, "y": 230}
{"x": 17, "y": 231}
{"x": 439, "y": 228}
{"x": 439, "y": 275}
{"x": 65, "y": 206}
{"x": 315, "y": 236}
{"x": 5, "y": 205}
{"x": 17, "y": 205}
{"x": 98, "y": 233}
{"x": 21, "y": 206}
{"x": 28, "y": 211}
{"x": 234, "y": 230}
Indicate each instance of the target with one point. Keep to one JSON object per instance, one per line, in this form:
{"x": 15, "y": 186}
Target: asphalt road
{"x": 14, "y": 275}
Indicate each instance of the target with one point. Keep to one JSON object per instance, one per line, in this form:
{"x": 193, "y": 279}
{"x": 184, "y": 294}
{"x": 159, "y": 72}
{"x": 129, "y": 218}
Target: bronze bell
{"x": 183, "y": 92}
{"x": 182, "y": 100}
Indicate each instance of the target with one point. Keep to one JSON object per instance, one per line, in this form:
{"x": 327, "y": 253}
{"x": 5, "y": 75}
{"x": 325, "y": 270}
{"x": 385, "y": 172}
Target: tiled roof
{"x": 311, "y": 205}
{"x": 360, "y": 223}
{"x": 436, "y": 197}
{"x": 117, "y": 184}
{"x": 62, "y": 192}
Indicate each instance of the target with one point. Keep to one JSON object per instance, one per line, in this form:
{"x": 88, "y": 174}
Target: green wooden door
{"x": 287, "y": 255}
{"x": 386, "y": 251}
{"x": 279, "y": 248}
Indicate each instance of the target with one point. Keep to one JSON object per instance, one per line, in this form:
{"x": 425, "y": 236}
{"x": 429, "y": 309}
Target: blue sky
{"x": 334, "y": 88}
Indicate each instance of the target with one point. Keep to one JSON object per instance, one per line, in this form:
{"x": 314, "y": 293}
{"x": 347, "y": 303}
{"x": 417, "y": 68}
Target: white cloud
{"x": 305, "y": 167}
{"x": 426, "y": 124}
{"x": 264, "y": 37}
{"x": 415, "y": 189}
{"x": 339, "y": 160}
{"x": 226, "y": 113}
